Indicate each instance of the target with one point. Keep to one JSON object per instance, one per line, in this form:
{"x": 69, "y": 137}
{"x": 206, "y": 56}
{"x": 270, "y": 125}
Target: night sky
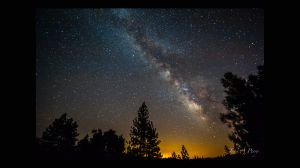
{"x": 99, "y": 65}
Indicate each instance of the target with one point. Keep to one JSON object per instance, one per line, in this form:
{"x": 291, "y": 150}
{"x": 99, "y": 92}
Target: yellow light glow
{"x": 194, "y": 148}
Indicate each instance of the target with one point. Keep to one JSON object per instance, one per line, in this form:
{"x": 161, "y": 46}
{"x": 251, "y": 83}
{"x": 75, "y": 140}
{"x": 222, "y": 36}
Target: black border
{"x": 26, "y": 65}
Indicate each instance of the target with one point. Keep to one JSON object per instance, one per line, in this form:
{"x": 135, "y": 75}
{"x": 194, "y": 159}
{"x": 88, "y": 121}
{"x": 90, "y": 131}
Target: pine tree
{"x": 184, "y": 153}
{"x": 174, "y": 156}
{"x": 61, "y": 135}
{"x": 245, "y": 109}
{"x": 143, "y": 136}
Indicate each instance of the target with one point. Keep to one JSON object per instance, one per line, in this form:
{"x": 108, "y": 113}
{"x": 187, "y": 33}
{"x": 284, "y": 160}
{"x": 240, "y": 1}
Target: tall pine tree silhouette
{"x": 143, "y": 136}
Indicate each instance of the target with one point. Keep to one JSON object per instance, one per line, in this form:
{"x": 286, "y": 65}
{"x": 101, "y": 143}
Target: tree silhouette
{"x": 174, "y": 156}
{"x": 107, "y": 146}
{"x": 84, "y": 148}
{"x": 58, "y": 142}
{"x": 244, "y": 103}
{"x": 227, "y": 151}
{"x": 97, "y": 144}
{"x": 184, "y": 153}
{"x": 61, "y": 135}
{"x": 143, "y": 136}
{"x": 114, "y": 145}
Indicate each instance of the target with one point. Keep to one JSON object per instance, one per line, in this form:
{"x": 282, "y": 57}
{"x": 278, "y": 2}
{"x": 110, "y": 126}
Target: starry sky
{"x": 99, "y": 65}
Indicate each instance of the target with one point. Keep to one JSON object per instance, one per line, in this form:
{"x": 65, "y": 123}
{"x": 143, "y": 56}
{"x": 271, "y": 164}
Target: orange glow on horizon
{"x": 194, "y": 149}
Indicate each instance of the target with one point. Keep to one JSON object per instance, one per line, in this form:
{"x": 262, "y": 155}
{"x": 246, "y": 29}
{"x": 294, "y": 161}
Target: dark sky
{"x": 99, "y": 65}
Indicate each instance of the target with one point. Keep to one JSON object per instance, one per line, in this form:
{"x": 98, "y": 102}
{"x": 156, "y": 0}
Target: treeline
{"x": 59, "y": 141}
{"x": 244, "y": 103}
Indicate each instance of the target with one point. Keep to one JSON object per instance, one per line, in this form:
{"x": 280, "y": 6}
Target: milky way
{"x": 153, "y": 52}
{"x": 99, "y": 65}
